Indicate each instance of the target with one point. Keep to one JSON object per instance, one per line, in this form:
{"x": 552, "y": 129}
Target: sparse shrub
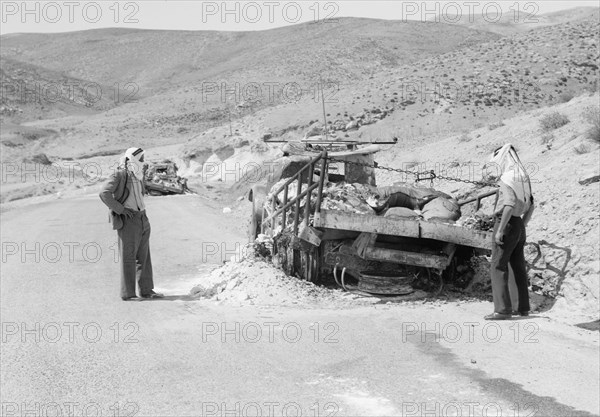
{"x": 593, "y": 133}
{"x": 465, "y": 138}
{"x": 553, "y": 121}
{"x": 41, "y": 158}
{"x": 496, "y": 125}
{"x": 547, "y": 138}
{"x": 582, "y": 148}
{"x": 591, "y": 115}
{"x": 31, "y": 136}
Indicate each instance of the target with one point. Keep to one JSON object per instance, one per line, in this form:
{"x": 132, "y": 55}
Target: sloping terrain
{"x": 31, "y": 92}
{"x": 520, "y": 18}
{"x": 453, "y": 92}
{"x": 161, "y": 60}
{"x": 476, "y": 79}
{"x": 159, "y": 80}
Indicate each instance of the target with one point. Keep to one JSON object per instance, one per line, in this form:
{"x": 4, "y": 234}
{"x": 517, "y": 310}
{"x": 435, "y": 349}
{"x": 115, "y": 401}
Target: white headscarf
{"x": 513, "y": 172}
{"x": 131, "y": 160}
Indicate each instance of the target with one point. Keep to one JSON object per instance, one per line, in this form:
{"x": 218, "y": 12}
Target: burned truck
{"x": 162, "y": 179}
{"x": 327, "y": 218}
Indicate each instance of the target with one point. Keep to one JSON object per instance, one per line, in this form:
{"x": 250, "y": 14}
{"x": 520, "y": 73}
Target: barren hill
{"x": 470, "y": 87}
{"x": 520, "y": 18}
{"x": 31, "y": 92}
{"x": 415, "y": 81}
{"x": 160, "y": 60}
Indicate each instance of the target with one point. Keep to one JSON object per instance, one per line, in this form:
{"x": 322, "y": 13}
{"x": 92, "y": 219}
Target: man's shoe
{"x": 152, "y": 294}
{"x": 132, "y": 298}
{"x": 520, "y": 313}
{"x": 498, "y": 316}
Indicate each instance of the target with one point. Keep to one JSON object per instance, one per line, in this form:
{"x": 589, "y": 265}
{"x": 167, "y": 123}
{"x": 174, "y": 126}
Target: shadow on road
{"x": 185, "y": 297}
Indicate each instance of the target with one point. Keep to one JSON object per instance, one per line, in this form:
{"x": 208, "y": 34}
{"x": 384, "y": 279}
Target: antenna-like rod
{"x": 323, "y": 101}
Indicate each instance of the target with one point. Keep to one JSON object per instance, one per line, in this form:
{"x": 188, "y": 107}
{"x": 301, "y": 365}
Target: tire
{"x": 255, "y": 218}
{"x": 253, "y": 226}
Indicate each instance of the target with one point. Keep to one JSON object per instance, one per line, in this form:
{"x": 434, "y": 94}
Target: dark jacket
{"x": 113, "y": 194}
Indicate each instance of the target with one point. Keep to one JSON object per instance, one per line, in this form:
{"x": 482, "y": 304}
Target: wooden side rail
{"x": 478, "y": 199}
{"x": 282, "y": 210}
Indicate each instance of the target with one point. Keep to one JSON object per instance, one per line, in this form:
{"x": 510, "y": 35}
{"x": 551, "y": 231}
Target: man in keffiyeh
{"x": 513, "y": 212}
{"x": 124, "y": 196}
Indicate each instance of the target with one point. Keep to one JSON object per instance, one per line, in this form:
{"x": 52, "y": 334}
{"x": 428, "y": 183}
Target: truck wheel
{"x": 252, "y": 227}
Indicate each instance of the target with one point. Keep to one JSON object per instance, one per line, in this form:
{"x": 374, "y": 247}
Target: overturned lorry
{"x": 326, "y": 217}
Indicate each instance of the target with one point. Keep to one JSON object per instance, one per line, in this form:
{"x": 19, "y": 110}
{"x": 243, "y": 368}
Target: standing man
{"x": 123, "y": 194}
{"x": 513, "y": 212}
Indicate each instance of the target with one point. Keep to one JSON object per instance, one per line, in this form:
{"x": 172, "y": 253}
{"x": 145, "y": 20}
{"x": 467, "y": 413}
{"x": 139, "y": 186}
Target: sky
{"x": 71, "y": 15}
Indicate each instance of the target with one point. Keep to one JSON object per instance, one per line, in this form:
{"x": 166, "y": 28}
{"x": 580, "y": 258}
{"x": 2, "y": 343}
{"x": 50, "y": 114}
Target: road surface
{"x": 70, "y": 346}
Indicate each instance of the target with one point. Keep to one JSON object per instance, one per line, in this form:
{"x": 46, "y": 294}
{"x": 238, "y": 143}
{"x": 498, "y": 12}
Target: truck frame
{"x": 372, "y": 248}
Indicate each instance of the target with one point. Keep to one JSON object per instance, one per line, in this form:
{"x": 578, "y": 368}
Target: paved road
{"x": 70, "y": 346}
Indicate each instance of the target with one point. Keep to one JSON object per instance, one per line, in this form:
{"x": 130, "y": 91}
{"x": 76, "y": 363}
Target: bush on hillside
{"x": 553, "y": 121}
{"x": 591, "y": 115}
{"x": 547, "y": 138}
{"x": 496, "y": 125}
{"x": 582, "y": 148}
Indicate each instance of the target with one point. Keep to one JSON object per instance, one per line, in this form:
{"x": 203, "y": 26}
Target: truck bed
{"x": 444, "y": 232}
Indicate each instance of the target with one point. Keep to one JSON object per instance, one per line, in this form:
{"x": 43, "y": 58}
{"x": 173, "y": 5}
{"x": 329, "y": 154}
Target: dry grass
{"x": 591, "y": 115}
{"x": 553, "y": 121}
{"x": 493, "y": 126}
{"x": 547, "y": 139}
{"x": 582, "y": 148}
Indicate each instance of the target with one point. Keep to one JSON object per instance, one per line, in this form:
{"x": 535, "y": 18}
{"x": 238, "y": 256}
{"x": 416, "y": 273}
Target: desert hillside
{"x": 521, "y": 19}
{"x": 164, "y": 87}
{"x": 162, "y": 60}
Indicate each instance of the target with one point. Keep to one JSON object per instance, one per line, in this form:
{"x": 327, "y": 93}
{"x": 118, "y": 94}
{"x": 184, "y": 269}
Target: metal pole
{"x": 308, "y": 184}
{"x": 323, "y": 101}
{"x": 321, "y": 181}
{"x": 285, "y": 201}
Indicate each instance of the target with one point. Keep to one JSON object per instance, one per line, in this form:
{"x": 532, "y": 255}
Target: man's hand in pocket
{"x": 128, "y": 213}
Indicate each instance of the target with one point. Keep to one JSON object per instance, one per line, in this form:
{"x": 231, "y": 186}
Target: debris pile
{"x": 257, "y": 282}
{"x": 262, "y": 248}
{"x": 477, "y": 221}
{"x": 353, "y": 198}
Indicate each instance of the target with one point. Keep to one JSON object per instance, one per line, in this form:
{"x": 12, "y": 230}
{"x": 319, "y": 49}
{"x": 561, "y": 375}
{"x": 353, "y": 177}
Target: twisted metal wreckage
{"x": 328, "y": 217}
